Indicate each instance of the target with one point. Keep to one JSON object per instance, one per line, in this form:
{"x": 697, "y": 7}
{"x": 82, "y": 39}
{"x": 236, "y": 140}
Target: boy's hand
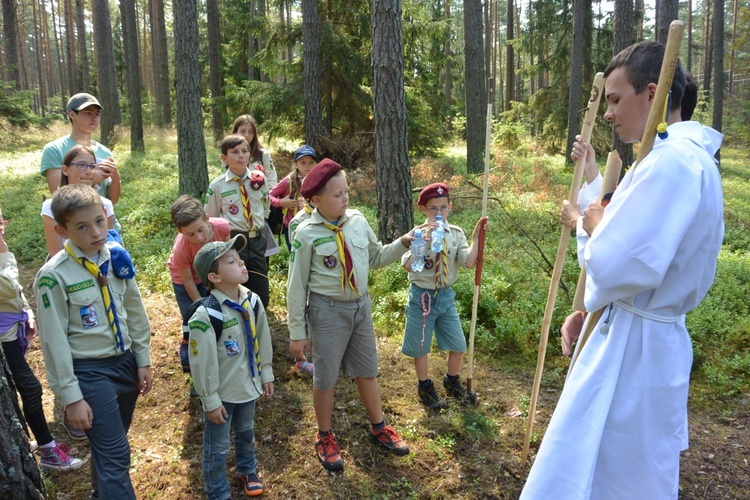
{"x": 569, "y": 214}
{"x": 108, "y": 169}
{"x": 145, "y": 379}
{"x": 268, "y": 390}
{"x": 30, "y": 329}
{"x": 584, "y": 151}
{"x": 297, "y": 349}
{"x": 481, "y": 223}
{"x": 79, "y": 415}
{"x": 217, "y": 416}
{"x": 409, "y": 237}
{"x": 571, "y": 330}
{"x": 592, "y": 216}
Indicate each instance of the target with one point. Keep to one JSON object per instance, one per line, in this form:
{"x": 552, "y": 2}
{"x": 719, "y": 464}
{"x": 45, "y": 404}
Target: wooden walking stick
{"x": 480, "y": 245}
{"x": 575, "y": 186}
{"x": 655, "y": 116}
{"x": 609, "y": 182}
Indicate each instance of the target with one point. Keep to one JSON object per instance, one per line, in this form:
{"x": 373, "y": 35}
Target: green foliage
{"x": 276, "y": 108}
{"x": 15, "y": 106}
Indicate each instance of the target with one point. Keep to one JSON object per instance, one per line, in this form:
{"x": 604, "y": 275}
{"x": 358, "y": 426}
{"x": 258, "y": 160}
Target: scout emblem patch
{"x": 257, "y": 181}
{"x": 329, "y": 262}
{"x": 232, "y": 347}
{"x": 428, "y": 263}
{"x": 89, "y": 318}
{"x": 234, "y": 209}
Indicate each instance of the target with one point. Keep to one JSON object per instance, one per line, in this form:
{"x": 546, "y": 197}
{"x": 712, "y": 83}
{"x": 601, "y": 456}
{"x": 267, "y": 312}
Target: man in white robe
{"x": 621, "y": 420}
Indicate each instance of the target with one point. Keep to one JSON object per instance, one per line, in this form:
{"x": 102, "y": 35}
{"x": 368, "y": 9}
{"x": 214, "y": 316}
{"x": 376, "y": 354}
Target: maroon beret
{"x": 434, "y": 190}
{"x": 318, "y": 177}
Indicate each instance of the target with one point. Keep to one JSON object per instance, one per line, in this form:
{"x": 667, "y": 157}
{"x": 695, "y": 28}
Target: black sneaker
{"x": 454, "y": 389}
{"x": 430, "y": 398}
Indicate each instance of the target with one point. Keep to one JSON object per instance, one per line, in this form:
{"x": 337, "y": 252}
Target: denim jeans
{"x": 109, "y": 386}
{"x": 183, "y": 299}
{"x": 216, "y": 447}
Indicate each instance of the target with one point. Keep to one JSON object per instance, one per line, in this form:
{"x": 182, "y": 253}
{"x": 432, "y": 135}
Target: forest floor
{"x": 461, "y": 453}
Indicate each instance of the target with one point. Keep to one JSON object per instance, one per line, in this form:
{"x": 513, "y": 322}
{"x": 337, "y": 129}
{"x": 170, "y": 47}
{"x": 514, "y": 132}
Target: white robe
{"x": 621, "y": 420}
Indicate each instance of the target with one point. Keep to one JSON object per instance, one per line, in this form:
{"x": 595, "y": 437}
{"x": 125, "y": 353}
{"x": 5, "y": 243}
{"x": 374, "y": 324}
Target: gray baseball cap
{"x": 212, "y": 251}
{"x": 82, "y": 101}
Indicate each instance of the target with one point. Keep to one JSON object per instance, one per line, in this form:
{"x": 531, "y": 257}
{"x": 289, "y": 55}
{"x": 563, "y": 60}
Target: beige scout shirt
{"x": 298, "y": 219}
{"x": 221, "y": 370}
{"x": 457, "y": 249}
{"x": 73, "y": 323}
{"x": 314, "y": 250}
{"x": 12, "y": 299}
{"x": 223, "y": 199}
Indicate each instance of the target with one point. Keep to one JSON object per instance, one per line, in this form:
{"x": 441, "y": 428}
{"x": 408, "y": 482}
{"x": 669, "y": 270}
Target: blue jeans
{"x": 183, "y": 299}
{"x": 216, "y": 447}
{"x": 110, "y": 387}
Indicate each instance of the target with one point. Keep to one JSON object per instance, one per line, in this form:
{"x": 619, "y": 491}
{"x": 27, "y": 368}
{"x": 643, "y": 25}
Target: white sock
{"x": 51, "y": 444}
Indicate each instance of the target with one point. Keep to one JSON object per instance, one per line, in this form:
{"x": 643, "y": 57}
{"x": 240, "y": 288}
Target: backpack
{"x": 216, "y": 317}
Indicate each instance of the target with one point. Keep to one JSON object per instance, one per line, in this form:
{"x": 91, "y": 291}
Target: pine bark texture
{"x": 391, "y": 151}
{"x": 132, "y": 73}
{"x": 105, "y": 67}
{"x": 10, "y": 38}
{"x": 668, "y": 10}
{"x": 83, "y": 55}
{"x": 476, "y": 88}
{"x": 161, "y": 62}
{"x": 718, "y": 45}
{"x": 312, "y": 69}
{"x": 191, "y": 148}
{"x": 19, "y": 472}
{"x": 509, "y": 58}
{"x": 623, "y": 37}
{"x": 576, "y": 73}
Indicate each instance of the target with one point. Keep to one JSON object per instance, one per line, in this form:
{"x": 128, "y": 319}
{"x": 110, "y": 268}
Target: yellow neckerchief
{"x": 245, "y": 202}
{"x": 347, "y": 264}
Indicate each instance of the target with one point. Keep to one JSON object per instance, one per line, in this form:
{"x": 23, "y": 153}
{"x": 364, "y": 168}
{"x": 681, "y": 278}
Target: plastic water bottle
{"x": 305, "y": 366}
{"x": 437, "y": 235}
{"x": 417, "y": 251}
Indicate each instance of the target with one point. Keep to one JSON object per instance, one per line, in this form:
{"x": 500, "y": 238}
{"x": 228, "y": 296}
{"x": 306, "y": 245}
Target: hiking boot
{"x": 430, "y": 398}
{"x": 454, "y": 389}
{"x": 253, "y": 486}
{"x": 57, "y": 458}
{"x": 329, "y": 452}
{"x": 390, "y": 439}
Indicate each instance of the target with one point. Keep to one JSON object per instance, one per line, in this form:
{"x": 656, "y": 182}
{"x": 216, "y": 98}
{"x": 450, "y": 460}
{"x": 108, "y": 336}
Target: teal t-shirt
{"x": 54, "y": 152}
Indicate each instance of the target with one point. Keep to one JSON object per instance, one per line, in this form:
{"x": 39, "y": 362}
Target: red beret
{"x": 318, "y": 177}
{"x": 434, "y": 190}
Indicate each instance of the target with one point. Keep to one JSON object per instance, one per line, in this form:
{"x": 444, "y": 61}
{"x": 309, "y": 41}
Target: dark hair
{"x": 213, "y": 269}
{"x": 689, "y": 97}
{"x": 185, "y": 210}
{"x": 641, "y": 63}
{"x": 70, "y": 156}
{"x": 231, "y": 141}
{"x": 70, "y": 199}
{"x": 255, "y": 146}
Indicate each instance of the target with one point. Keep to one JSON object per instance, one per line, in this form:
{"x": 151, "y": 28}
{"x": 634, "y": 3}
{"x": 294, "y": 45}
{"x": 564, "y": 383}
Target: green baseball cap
{"x": 82, "y": 101}
{"x": 212, "y": 251}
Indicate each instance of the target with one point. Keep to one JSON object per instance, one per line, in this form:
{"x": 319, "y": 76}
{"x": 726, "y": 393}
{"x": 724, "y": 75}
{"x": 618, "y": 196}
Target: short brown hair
{"x": 231, "y": 141}
{"x": 185, "y": 210}
{"x": 70, "y": 199}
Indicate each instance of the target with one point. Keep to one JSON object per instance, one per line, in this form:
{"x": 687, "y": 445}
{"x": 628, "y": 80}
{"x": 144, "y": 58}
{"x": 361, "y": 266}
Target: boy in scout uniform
{"x": 240, "y": 196}
{"x": 94, "y": 335}
{"x": 231, "y": 368}
{"x": 432, "y": 301}
{"x": 332, "y": 253}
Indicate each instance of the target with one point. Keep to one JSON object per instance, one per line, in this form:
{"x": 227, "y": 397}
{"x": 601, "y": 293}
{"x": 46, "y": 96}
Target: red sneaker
{"x": 329, "y": 452}
{"x": 389, "y": 438}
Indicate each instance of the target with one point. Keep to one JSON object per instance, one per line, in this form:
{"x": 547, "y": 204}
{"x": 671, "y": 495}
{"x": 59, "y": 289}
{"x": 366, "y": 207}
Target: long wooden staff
{"x": 609, "y": 182}
{"x": 575, "y": 186}
{"x": 482, "y": 235}
{"x": 655, "y": 116}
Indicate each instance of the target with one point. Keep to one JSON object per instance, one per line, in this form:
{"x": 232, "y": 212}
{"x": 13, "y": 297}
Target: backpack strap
{"x": 214, "y": 314}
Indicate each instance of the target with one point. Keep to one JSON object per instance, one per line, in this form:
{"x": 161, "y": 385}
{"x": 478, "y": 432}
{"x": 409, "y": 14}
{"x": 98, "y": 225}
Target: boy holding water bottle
{"x": 432, "y": 301}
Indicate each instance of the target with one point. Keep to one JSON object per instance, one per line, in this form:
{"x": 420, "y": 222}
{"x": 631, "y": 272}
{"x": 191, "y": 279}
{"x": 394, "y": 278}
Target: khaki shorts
{"x": 341, "y": 336}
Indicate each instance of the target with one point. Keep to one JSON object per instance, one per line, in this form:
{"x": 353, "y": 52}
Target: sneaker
{"x": 75, "y": 434}
{"x": 253, "y": 486}
{"x": 389, "y": 438}
{"x": 57, "y": 458}
{"x": 458, "y": 391}
{"x": 429, "y": 397}
{"x": 329, "y": 452}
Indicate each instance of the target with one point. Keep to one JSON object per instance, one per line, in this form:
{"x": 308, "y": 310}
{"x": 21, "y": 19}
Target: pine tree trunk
{"x": 70, "y": 48}
{"x": 83, "y": 53}
{"x": 476, "y": 89}
{"x": 19, "y": 472}
{"x": 132, "y": 71}
{"x": 10, "y": 39}
{"x": 105, "y": 66}
{"x": 62, "y": 75}
{"x": 448, "y": 84}
{"x": 39, "y": 50}
{"x": 311, "y": 72}
{"x": 623, "y": 37}
{"x": 718, "y": 44}
{"x": 214, "y": 64}
{"x": 689, "y": 48}
{"x": 389, "y": 103}
{"x": 509, "y": 57}
{"x": 191, "y": 147}
{"x": 161, "y": 62}
{"x": 576, "y": 73}
{"x": 668, "y": 10}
